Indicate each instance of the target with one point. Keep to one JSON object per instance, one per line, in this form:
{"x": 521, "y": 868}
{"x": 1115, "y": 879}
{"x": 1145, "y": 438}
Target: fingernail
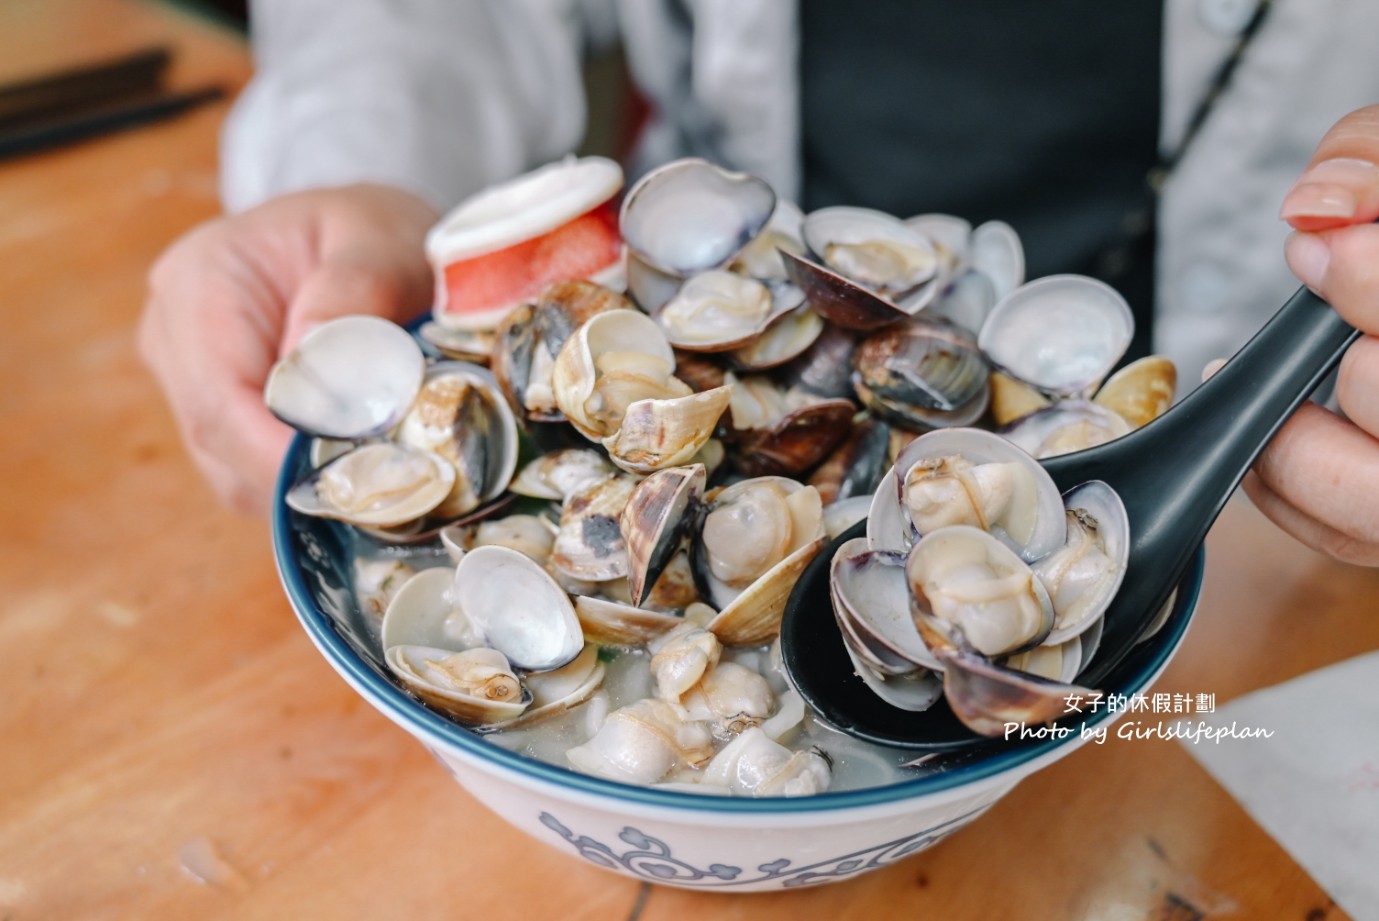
{"x": 1308, "y": 256}
{"x": 1216, "y": 364}
{"x": 1319, "y": 199}
{"x": 1330, "y": 189}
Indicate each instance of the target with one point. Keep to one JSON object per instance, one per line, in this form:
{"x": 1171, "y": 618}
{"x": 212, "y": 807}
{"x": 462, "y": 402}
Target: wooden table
{"x": 162, "y": 715}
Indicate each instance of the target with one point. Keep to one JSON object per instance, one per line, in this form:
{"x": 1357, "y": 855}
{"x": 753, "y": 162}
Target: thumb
{"x": 342, "y": 288}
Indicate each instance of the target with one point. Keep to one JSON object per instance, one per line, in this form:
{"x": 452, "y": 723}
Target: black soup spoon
{"x": 1174, "y": 476}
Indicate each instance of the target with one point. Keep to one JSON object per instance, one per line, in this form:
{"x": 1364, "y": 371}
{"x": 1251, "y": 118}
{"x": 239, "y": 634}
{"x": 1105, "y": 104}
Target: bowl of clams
{"x": 555, "y": 532}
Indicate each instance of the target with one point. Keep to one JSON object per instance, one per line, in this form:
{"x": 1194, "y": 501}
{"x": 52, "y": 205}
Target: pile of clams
{"x": 594, "y": 469}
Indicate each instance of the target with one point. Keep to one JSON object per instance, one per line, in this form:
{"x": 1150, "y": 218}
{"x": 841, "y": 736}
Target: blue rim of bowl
{"x": 404, "y": 708}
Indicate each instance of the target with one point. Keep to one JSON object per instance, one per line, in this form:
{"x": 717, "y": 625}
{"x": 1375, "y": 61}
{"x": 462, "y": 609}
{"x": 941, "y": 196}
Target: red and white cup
{"x": 503, "y": 246}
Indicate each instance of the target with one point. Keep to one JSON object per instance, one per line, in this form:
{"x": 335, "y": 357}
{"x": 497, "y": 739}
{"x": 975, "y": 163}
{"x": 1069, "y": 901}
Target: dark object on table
{"x": 72, "y": 105}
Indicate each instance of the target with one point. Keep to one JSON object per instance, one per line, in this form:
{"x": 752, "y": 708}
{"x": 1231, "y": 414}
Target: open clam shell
{"x": 461, "y": 415}
{"x": 872, "y": 248}
{"x": 1060, "y": 334}
{"x": 1033, "y": 524}
{"x": 560, "y": 474}
{"x": 871, "y": 601}
{"x": 1064, "y": 427}
{"x": 690, "y": 215}
{"x": 612, "y": 623}
{"x": 760, "y": 258}
{"x": 717, "y": 311}
{"x": 472, "y": 345}
{"x": 758, "y": 534}
{"x": 916, "y": 370}
{"x": 517, "y": 608}
{"x": 951, "y": 238}
{"x": 915, "y": 692}
{"x": 381, "y": 485}
{"x": 1083, "y": 576}
{"x": 825, "y": 368}
{"x": 350, "y": 378}
{"x": 560, "y": 689}
{"x": 966, "y": 580}
{"x": 422, "y": 614}
{"x": 841, "y": 300}
{"x": 1140, "y": 392}
{"x": 988, "y": 697}
{"x": 654, "y": 521}
{"x": 530, "y": 338}
{"x": 475, "y": 686}
{"x": 966, "y": 301}
{"x": 786, "y": 338}
{"x": 1055, "y": 662}
{"x": 996, "y": 252}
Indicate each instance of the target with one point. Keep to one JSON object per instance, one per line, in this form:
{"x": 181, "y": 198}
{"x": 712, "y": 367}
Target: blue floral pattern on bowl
{"x": 651, "y": 858}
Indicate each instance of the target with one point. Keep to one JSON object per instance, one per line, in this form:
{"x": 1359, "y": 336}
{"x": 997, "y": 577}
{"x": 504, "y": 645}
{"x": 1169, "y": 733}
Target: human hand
{"x": 1319, "y": 478}
{"x": 231, "y": 296}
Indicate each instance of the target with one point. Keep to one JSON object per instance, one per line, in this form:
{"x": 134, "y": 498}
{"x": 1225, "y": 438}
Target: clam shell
{"x": 561, "y": 689}
{"x": 530, "y": 338}
{"x": 717, "y": 311}
{"x": 915, "y": 692}
{"x": 986, "y": 696}
{"x": 1040, "y": 531}
{"x": 1060, "y": 334}
{"x": 1140, "y": 392}
{"x": 656, "y": 517}
{"x": 1011, "y": 400}
{"x": 796, "y": 441}
{"x": 1064, "y": 427}
{"x": 754, "y": 616}
{"x": 844, "y": 513}
{"x": 461, "y": 415}
{"x": 950, "y": 592}
{"x": 611, "y": 623}
{"x": 422, "y": 614}
{"x": 784, "y": 340}
{"x": 760, "y": 258}
{"x": 997, "y": 253}
{"x": 871, "y": 601}
{"x": 472, "y": 345}
{"x": 349, "y": 378}
{"x": 825, "y": 368}
{"x": 690, "y": 215}
{"x": 1081, "y": 582}
{"x": 651, "y": 289}
{"x": 517, "y": 608}
{"x": 1052, "y": 661}
{"x": 590, "y": 545}
{"x": 561, "y": 474}
{"x": 841, "y": 300}
{"x": 656, "y": 434}
{"x": 921, "y": 364}
{"x": 966, "y": 301}
{"x": 382, "y": 485}
{"x": 413, "y": 665}
{"x": 854, "y": 468}
{"x": 574, "y": 374}
{"x": 841, "y": 228}
{"x": 951, "y": 239}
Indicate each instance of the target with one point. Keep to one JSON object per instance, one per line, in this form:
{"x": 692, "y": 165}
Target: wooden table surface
{"x": 163, "y": 716}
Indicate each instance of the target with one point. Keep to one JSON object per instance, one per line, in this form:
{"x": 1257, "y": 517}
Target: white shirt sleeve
{"x": 440, "y": 97}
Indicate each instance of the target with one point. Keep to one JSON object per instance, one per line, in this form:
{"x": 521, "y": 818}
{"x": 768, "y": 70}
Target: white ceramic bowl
{"x": 682, "y": 839}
